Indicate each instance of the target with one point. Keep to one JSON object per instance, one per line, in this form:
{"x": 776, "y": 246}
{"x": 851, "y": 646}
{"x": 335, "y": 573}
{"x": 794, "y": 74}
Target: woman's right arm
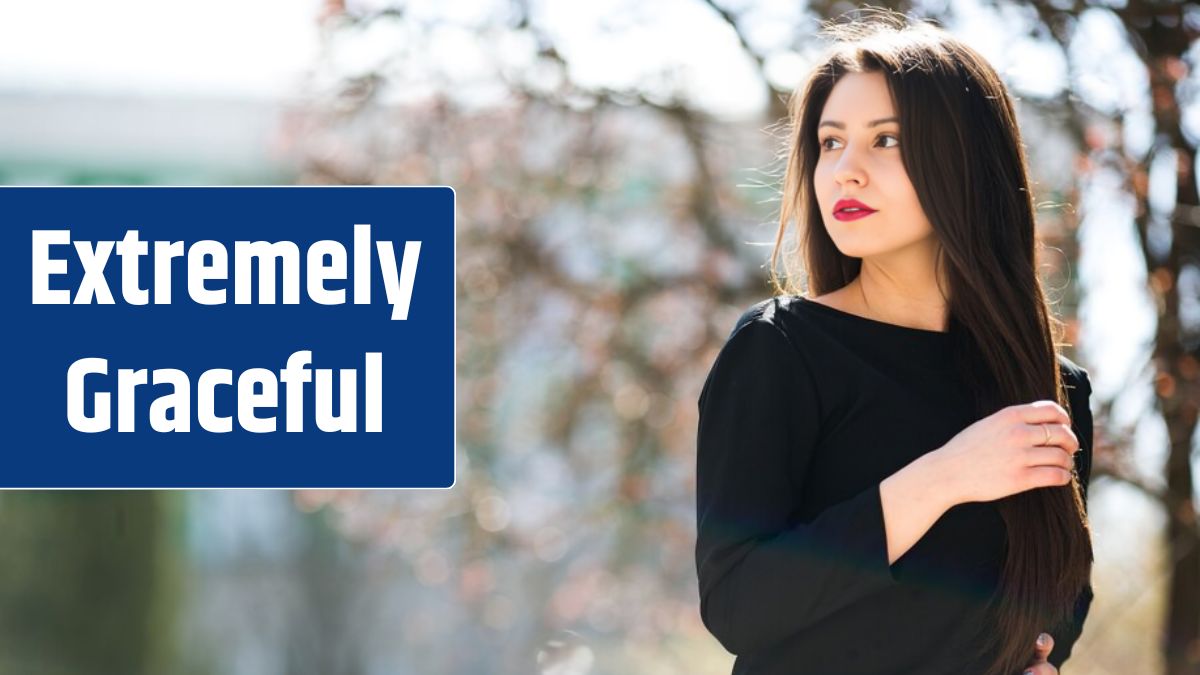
{"x": 763, "y": 576}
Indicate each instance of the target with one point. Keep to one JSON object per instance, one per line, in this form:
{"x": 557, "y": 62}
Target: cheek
{"x": 901, "y": 195}
{"x": 903, "y": 187}
{"x": 823, "y": 183}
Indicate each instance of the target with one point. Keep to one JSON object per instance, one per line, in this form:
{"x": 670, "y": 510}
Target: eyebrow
{"x": 873, "y": 123}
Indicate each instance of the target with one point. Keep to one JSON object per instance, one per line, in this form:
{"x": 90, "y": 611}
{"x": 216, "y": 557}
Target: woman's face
{"x": 859, "y": 161}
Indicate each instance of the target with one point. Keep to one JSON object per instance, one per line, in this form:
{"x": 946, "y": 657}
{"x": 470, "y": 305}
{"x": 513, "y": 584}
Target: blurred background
{"x": 616, "y": 165}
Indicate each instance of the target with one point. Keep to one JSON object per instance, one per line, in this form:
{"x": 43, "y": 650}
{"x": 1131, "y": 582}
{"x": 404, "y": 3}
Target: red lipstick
{"x": 841, "y": 213}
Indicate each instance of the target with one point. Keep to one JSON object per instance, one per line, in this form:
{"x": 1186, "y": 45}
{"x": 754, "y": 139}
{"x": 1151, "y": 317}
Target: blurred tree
{"x": 1162, "y": 35}
{"x": 83, "y": 589}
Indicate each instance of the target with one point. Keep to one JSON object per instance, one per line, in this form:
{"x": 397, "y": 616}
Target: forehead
{"x": 858, "y": 97}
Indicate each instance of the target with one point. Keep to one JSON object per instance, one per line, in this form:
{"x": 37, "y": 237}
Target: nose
{"x": 848, "y": 168}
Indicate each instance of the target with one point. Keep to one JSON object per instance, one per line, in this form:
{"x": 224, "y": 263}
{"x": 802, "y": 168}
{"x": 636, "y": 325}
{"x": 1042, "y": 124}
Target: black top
{"x": 804, "y": 413}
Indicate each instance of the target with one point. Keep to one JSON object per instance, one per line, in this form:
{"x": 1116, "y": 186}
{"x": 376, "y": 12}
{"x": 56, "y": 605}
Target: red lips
{"x": 850, "y": 203}
{"x": 840, "y": 212}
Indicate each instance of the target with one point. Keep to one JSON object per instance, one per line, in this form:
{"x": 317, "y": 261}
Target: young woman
{"x": 892, "y": 468}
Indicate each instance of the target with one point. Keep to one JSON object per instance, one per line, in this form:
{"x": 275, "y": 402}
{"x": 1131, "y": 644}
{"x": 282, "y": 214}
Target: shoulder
{"x": 766, "y": 337}
{"x": 775, "y": 312}
{"x": 760, "y": 353}
{"x": 765, "y": 334}
{"x": 763, "y": 312}
{"x": 759, "y": 329}
{"x": 1075, "y": 377}
{"x": 1079, "y": 387}
{"x": 770, "y": 325}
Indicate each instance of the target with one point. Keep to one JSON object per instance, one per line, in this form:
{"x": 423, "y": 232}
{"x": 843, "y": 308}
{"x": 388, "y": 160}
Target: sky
{"x": 255, "y": 49}
{"x": 263, "y": 48}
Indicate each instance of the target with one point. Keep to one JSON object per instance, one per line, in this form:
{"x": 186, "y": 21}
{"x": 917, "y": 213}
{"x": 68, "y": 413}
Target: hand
{"x": 1039, "y": 665}
{"x": 1007, "y": 452}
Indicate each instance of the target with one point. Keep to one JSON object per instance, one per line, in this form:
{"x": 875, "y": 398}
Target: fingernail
{"x": 1041, "y": 640}
{"x": 1028, "y": 672}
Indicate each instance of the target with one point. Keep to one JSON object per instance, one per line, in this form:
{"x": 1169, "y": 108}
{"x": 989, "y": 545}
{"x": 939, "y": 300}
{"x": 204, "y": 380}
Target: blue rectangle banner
{"x": 228, "y": 337}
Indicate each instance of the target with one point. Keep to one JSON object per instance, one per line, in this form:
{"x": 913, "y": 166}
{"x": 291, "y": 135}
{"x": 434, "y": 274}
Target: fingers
{"x": 1047, "y": 476}
{"x": 1042, "y": 649}
{"x": 1042, "y": 412}
{"x": 1061, "y": 435}
{"x": 1043, "y": 646}
{"x": 1049, "y": 455}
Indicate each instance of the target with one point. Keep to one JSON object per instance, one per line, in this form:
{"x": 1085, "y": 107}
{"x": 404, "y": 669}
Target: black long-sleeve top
{"x": 806, "y": 410}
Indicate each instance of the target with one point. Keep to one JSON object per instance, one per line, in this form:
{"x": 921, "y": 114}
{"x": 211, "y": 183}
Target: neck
{"x": 905, "y": 296}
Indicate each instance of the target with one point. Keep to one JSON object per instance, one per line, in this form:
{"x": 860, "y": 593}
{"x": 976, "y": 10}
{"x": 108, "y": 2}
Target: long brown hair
{"x": 963, "y": 153}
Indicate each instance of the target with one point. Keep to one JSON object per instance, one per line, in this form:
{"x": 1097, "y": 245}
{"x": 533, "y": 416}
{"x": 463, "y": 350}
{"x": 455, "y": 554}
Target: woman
{"x": 892, "y": 469}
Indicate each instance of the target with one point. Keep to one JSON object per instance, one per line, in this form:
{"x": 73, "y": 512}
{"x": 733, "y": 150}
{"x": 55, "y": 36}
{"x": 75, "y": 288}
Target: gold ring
{"x": 1047, "y": 430}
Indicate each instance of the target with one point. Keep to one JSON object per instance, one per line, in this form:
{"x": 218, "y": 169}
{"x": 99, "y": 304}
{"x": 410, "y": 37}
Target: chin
{"x": 855, "y": 247}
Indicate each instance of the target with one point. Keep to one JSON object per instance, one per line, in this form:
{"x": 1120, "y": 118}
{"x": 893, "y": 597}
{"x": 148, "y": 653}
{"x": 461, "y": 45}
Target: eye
{"x": 824, "y": 142}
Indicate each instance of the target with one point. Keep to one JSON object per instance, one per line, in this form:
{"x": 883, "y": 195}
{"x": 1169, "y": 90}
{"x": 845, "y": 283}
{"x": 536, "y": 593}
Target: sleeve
{"x": 763, "y": 578}
{"x": 1081, "y": 424}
